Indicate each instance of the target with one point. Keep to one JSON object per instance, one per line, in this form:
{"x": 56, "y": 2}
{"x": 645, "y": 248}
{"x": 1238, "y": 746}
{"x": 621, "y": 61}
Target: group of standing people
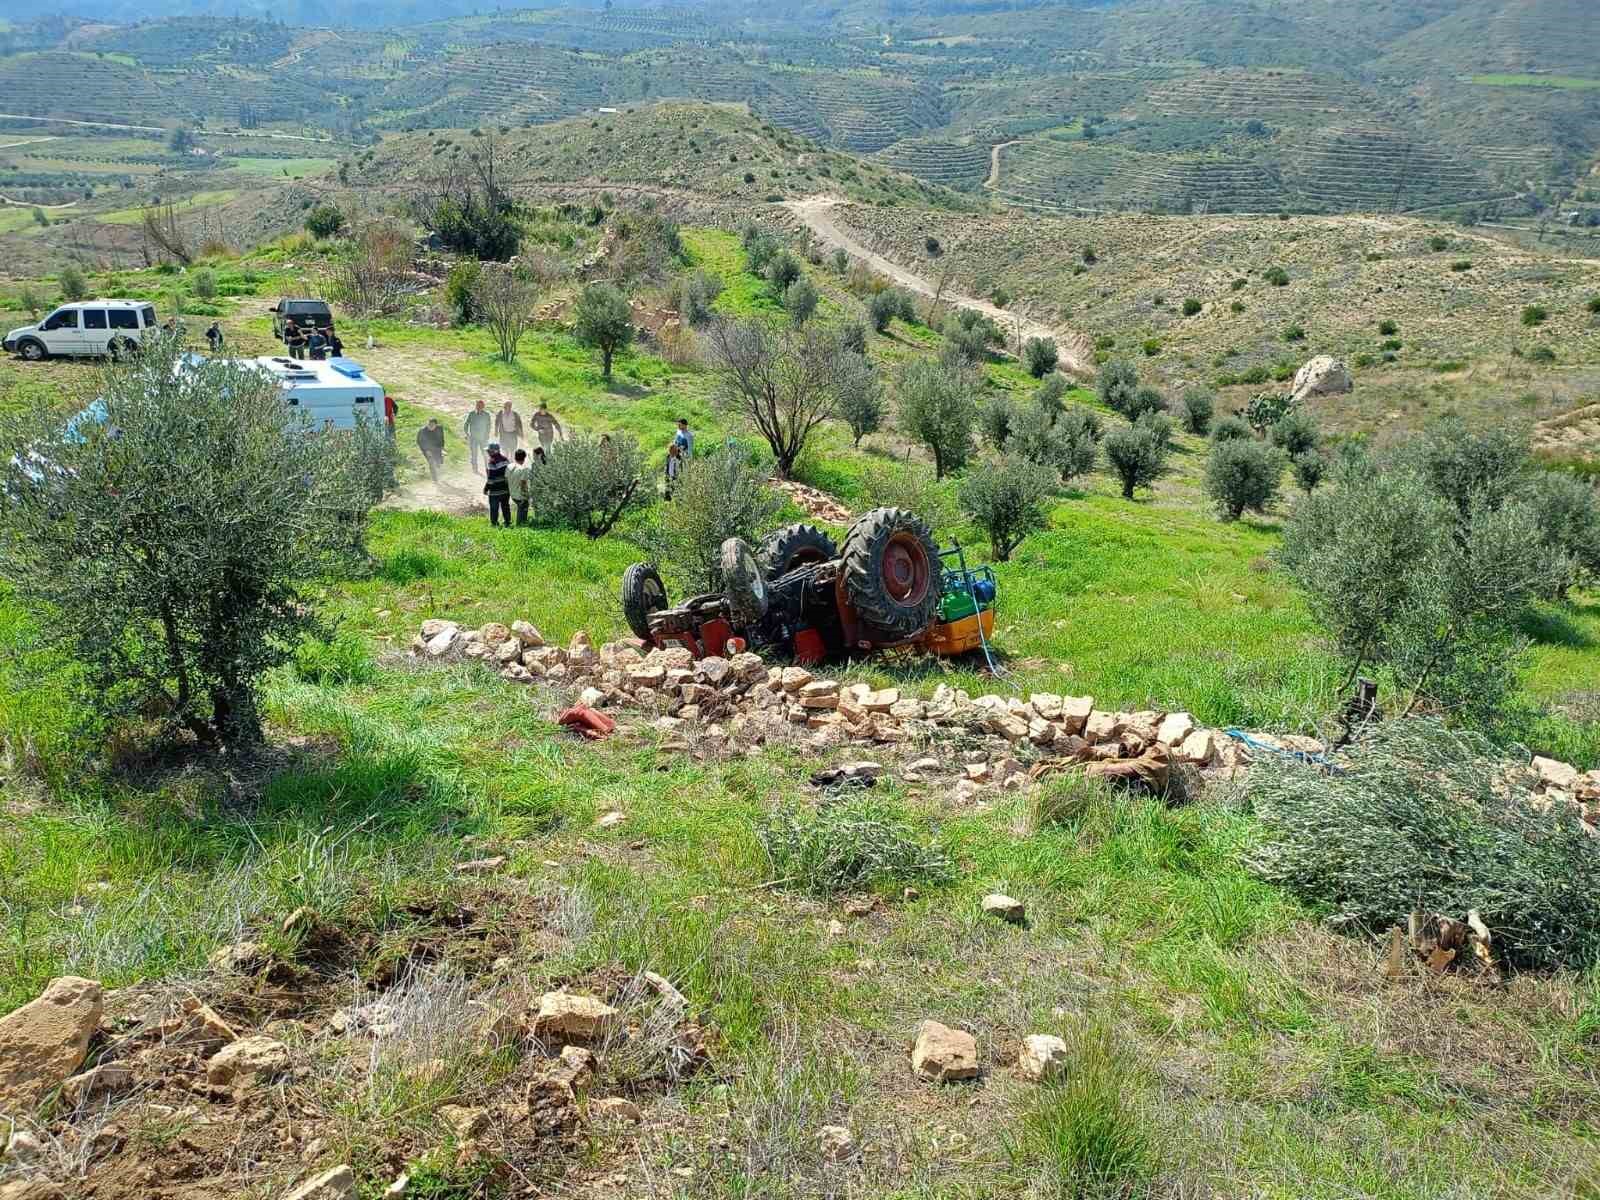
{"x": 316, "y": 343}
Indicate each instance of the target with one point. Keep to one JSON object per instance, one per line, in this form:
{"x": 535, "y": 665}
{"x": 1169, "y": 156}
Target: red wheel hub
{"x": 905, "y": 569}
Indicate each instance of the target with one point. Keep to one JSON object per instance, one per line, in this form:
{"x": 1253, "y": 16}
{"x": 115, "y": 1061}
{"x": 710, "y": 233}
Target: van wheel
{"x": 32, "y": 350}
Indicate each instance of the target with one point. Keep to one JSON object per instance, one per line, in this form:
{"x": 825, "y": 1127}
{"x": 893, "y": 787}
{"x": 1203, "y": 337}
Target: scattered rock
{"x": 1000, "y": 905}
{"x": 442, "y": 643}
{"x": 1174, "y": 729}
{"x": 402, "y": 1182}
{"x": 107, "y": 1079}
{"x": 836, "y": 928}
{"x": 23, "y": 1147}
{"x": 615, "y": 1108}
{"x": 46, "y": 1040}
{"x": 795, "y": 678}
{"x": 835, "y": 1143}
{"x": 611, "y": 819}
{"x": 944, "y": 1055}
{"x": 244, "y": 958}
{"x": 1043, "y": 1056}
{"x": 464, "y": 1123}
{"x": 482, "y": 866}
{"x": 337, "y": 1184}
{"x": 433, "y": 627}
{"x": 248, "y": 1061}
{"x": 530, "y": 637}
{"x": 1556, "y": 774}
{"x": 566, "y": 1014}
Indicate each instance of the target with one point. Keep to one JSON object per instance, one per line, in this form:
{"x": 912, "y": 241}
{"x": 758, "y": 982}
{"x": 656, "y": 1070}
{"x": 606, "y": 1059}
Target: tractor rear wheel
{"x": 891, "y": 573}
{"x": 798, "y": 545}
{"x": 642, "y": 594}
{"x": 744, "y": 586}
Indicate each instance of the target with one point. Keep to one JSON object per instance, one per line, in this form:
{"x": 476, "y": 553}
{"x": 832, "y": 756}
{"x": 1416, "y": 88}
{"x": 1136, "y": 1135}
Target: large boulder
{"x": 1324, "y": 375}
{"x": 46, "y": 1040}
{"x": 248, "y": 1061}
{"x": 566, "y": 1014}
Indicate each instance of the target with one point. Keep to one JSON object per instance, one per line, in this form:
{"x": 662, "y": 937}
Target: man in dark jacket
{"x": 430, "y": 440}
{"x": 497, "y": 487}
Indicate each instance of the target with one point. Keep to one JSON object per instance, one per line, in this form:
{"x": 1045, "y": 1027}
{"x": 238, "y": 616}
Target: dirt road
{"x": 816, "y": 212}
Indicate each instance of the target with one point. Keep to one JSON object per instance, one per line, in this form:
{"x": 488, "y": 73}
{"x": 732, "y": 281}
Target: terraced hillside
{"x": 1456, "y": 300}
{"x": 1214, "y": 105}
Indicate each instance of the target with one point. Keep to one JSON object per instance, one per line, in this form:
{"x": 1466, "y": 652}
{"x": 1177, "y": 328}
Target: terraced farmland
{"x": 1378, "y": 169}
{"x": 53, "y": 84}
{"x": 187, "y": 41}
{"x": 1052, "y": 176}
{"x": 961, "y": 165}
{"x": 1271, "y": 95}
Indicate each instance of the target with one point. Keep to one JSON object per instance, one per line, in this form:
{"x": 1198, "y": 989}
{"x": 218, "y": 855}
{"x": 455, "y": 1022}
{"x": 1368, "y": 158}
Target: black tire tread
{"x": 744, "y": 591}
{"x": 863, "y": 580}
{"x": 636, "y": 606}
{"x": 779, "y": 548}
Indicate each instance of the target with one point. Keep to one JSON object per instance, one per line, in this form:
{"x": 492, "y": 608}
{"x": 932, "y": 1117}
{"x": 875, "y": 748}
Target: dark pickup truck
{"x": 306, "y": 314}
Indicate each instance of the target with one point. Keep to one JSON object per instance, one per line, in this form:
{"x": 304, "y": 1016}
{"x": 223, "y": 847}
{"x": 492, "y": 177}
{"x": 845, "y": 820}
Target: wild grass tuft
{"x": 852, "y": 843}
{"x": 1086, "y": 1135}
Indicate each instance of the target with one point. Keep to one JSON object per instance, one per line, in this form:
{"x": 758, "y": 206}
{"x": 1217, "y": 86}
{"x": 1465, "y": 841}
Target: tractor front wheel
{"x": 744, "y": 586}
{"x": 642, "y": 594}
{"x": 793, "y": 546}
{"x": 891, "y": 573}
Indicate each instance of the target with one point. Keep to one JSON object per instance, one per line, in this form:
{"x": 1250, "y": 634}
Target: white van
{"x": 336, "y": 390}
{"x": 85, "y": 328}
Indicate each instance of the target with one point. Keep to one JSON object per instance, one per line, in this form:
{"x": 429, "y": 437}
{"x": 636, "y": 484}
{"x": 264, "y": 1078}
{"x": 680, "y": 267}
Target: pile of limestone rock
{"x": 745, "y": 699}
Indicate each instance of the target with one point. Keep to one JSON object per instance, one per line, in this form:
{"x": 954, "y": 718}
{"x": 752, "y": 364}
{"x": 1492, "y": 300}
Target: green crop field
{"x": 294, "y": 167}
{"x": 1540, "y": 81}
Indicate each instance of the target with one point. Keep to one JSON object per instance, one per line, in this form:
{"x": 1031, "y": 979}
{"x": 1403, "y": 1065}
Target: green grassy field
{"x": 1224, "y": 1041}
{"x": 294, "y": 167}
{"x": 1564, "y": 82}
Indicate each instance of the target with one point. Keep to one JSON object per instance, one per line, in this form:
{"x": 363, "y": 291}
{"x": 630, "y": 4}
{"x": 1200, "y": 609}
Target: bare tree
{"x": 782, "y": 383}
{"x": 506, "y": 301}
{"x": 373, "y": 277}
{"x": 163, "y": 230}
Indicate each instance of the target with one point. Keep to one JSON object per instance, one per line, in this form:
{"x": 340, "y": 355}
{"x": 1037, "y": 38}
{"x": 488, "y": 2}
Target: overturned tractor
{"x": 801, "y": 597}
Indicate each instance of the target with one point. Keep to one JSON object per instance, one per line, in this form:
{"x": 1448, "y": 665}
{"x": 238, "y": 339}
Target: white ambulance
{"x": 333, "y": 393}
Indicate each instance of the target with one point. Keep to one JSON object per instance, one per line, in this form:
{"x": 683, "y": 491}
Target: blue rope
{"x": 1305, "y": 756}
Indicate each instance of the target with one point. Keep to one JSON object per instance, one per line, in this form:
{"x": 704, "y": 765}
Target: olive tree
{"x": 1138, "y": 455}
{"x": 938, "y": 403}
{"x": 1040, "y": 356}
{"x": 171, "y": 538}
{"x": 859, "y": 391}
{"x": 588, "y": 484}
{"x": 718, "y": 496}
{"x": 1242, "y": 474}
{"x": 1006, "y": 500}
{"x": 604, "y": 322}
{"x": 783, "y": 383}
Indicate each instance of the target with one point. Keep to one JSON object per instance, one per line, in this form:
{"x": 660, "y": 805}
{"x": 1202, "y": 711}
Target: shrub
{"x": 848, "y": 845}
{"x": 1236, "y": 307}
{"x": 324, "y": 221}
{"x": 1006, "y": 500}
{"x": 1295, "y": 333}
{"x": 587, "y": 486}
{"x": 459, "y": 287}
{"x": 1242, "y": 474}
{"x": 473, "y": 226}
{"x": 938, "y": 406}
{"x": 204, "y": 283}
{"x": 1137, "y": 456}
{"x": 1534, "y": 314}
{"x": 759, "y": 250}
{"x": 1238, "y": 285}
{"x": 1198, "y": 407}
{"x": 1266, "y": 409}
{"x": 1388, "y": 328}
{"x": 1277, "y": 277}
{"x": 931, "y": 245}
{"x": 1117, "y": 384}
{"x": 1145, "y": 400}
{"x": 1040, "y": 356}
{"x": 1541, "y": 354}
{"x": 604, "y": 322}
{"x": 782, "y": 269}
{"x": 695, "y": 296}
{"x": 29, "y": 301}
{"x": 1427, "y": 818}
{"x": 1469, "y": 466}
{"x": 202, "y": 523}
{"x": 1594, "y": 304}
{"x": 1051, "y": 394}
{"x": 1231, "y": 428}
{"x": 1567, "y": 511}
{"x": 800, "y": 301}
{"x": 971, "y": 334}
{"x": 1295, "y": 432}
{"x": 1461, "y": 264}
{"x": 506, "y": 299}
{"x": 1151, "y": 347}
{"x": 1438, "y": 242}
{"x": 1089, "y": 256}
{"x": 889, "y": 304}
{"x": 1191, "y": 306}
{"x": 859, "y": 396}
{"x": 995, "y": 420}
{"x": 1309, "y": 468}
{"x": 840, "y": 260}
{"x": 717, "y": 496}
{"x": 1000, "y": 297}
{"x": 73, "y": 285}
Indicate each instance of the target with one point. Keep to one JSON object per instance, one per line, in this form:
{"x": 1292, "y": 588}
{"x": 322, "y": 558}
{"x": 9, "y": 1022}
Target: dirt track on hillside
{"x": 815, "y": 211}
